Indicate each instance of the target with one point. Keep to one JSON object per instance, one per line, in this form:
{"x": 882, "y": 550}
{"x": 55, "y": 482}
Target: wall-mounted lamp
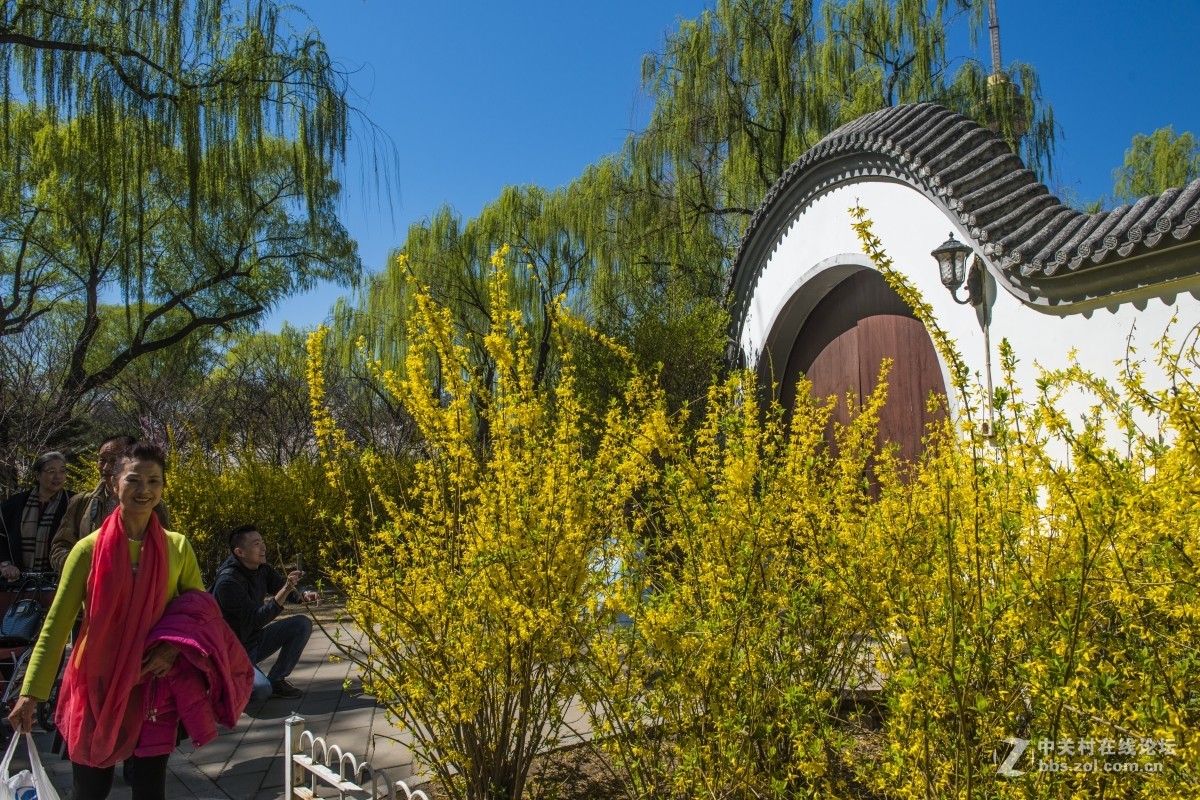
{"x": 951, "y": 257}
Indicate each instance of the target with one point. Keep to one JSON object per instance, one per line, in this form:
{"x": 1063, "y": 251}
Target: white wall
{"x": 910, "y": 225}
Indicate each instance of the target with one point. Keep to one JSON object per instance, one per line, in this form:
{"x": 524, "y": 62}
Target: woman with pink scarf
{"x": 123, "y": 576}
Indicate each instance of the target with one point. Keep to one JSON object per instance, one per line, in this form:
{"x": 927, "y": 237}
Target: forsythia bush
{"x": 475, "y": 593}
{"x": 721, "y": 602}
{"x": 743, "y": 639}
{"x": 1041, "y": 587}
{"x": 211, "y": 491}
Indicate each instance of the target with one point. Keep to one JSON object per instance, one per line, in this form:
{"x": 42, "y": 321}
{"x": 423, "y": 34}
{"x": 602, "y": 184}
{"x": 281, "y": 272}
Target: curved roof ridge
{"x": 1021, "y": 225}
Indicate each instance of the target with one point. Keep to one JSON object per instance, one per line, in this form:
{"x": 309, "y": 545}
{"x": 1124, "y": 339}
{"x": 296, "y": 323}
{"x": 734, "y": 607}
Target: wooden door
{"x": 842, "y": 344}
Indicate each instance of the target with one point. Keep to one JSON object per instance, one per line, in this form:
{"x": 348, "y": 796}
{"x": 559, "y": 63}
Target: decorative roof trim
{"x": 1049, "y": 254}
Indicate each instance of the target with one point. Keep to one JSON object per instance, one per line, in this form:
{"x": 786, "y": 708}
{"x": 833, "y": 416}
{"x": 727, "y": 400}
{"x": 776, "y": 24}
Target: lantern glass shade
{"x": 951, "y": 256}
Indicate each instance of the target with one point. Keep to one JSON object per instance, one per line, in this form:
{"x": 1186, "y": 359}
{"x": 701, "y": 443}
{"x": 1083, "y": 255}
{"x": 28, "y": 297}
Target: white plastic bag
{"x": 28, "y": 784}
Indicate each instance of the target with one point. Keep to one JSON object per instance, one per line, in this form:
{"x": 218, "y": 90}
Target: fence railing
{"x": 313, "y": 764}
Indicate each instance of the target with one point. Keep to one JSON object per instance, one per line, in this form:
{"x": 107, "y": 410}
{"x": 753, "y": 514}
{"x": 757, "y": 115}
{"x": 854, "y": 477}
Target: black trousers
{"x": 147, "y": 777}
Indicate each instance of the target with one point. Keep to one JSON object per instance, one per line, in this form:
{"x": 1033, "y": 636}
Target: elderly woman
{"x": 123, "y": 576}
{"x": 31, "y": 518}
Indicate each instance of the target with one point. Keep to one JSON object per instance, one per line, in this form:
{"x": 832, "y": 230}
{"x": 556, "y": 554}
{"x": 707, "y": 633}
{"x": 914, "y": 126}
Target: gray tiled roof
{"x": 1021, "y": 227}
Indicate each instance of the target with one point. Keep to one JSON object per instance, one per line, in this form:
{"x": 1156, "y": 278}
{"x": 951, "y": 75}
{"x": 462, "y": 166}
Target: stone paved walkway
{"x": 247, "y": 762}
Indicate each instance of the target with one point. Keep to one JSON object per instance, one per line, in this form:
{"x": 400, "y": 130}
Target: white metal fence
{"x": 315, "y": 768}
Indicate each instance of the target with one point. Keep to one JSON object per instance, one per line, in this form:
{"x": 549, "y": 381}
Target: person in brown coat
{"x": 87, "y": 510}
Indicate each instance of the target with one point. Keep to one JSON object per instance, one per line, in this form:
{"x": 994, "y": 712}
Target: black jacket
{"x": 240, "y": 592}
{"x": 10, "y": 525}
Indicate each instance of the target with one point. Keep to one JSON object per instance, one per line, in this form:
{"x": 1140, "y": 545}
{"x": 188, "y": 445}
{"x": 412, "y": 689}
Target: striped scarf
{"x": 35, "y": 530}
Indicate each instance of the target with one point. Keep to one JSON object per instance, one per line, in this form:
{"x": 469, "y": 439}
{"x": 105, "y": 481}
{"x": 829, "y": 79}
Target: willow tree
{"x": 452, "y": 260}
{"x": 744, "y": 90}
{"x": 1156, "y": 163}
{"x": 194, "y": 144}
{"x": 738, "y": 95}
{"x": 211, "y": 78}
{"x": 125, "y": 263}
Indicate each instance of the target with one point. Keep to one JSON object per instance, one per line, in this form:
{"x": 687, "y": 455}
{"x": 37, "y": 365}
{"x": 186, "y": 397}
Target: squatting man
{"x": 243, "y": 581}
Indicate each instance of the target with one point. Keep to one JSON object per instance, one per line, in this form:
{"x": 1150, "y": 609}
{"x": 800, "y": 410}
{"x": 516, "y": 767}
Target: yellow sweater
{"x": 183, "y": 573}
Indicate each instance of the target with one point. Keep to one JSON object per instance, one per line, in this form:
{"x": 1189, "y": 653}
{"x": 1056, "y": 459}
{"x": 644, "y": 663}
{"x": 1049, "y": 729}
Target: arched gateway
{"x": 1057, "y": 283}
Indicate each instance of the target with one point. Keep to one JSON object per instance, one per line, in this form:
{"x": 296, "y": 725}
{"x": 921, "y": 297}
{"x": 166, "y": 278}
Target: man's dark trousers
{"x": 288, "y": 636}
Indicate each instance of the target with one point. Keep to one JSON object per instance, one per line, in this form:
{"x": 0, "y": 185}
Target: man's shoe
{"x": 281, "y": 688}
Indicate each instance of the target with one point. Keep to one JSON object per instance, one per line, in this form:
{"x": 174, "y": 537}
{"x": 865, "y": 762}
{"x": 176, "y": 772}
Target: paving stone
{"x": 240, "y": 785}
{"x": 218, "y": 751}
{"x": 350, "y": 720}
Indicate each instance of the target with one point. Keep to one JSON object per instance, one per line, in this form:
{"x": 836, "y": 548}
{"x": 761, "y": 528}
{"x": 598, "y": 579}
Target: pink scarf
{"x": 100, "y": 704}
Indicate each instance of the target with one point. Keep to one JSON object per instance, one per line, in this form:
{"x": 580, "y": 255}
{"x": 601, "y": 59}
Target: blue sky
{"x": 479, "y": 95}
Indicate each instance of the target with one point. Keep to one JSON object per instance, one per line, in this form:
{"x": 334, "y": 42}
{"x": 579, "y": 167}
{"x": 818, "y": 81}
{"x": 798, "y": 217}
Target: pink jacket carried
{"x": 209, "y": 684}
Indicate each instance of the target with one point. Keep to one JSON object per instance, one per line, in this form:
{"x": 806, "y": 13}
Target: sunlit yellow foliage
{"x": 722, "y": 596}
{"x": 744, "y": 633}
{"x": 1020, "y": 593}
{"x": 476, "y": 591}
{"x": 1039, "y": 584}
{"x": 211, "y": 491}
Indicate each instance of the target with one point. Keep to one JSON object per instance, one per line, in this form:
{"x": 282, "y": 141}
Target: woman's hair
{"x": 143, "y": 451}
{"x": 41, "y": 461}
